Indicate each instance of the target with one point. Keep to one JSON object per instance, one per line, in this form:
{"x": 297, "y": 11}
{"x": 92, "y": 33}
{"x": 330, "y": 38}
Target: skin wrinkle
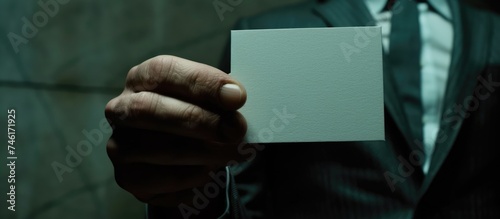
{"x": 131, "y": 74}
{"x": 185, "y": 106}
{"x": 151, "y": 78}
{"x": 155, "y": 99}
{"x": 193, "y": 117}
{"x": 139, "y": 104}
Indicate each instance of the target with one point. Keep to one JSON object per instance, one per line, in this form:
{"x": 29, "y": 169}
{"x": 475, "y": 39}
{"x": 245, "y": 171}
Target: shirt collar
{"x": 440, "y": 6}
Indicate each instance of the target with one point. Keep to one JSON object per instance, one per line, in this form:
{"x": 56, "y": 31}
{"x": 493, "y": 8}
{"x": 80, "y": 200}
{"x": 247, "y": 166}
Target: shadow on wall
{"x": 61, "y": 61}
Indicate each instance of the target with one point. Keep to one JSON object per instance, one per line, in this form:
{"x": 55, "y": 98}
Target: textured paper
{"x": 310, "y": 84}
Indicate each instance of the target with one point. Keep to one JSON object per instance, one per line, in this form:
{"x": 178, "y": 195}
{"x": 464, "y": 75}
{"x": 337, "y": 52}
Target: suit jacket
{"x": 384, "y": 179}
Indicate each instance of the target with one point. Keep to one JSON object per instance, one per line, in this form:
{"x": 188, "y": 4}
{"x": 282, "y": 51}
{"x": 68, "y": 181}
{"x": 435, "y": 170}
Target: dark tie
{"x": 404, "y": 56}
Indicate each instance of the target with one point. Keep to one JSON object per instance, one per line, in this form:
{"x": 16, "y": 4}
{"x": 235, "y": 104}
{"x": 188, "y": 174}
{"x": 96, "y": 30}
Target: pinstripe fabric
{"x": 349, "y": 180}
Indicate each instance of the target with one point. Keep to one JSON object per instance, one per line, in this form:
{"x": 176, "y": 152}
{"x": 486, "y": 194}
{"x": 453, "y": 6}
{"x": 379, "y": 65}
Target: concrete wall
{"x": 62, "y": 75}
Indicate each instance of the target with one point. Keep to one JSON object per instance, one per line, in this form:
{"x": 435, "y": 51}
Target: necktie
{"x": 404, "y": 56}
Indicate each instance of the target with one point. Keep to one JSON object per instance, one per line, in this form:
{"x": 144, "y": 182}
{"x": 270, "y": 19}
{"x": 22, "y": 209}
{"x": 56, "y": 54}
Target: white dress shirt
{"x": 437, "y": 39}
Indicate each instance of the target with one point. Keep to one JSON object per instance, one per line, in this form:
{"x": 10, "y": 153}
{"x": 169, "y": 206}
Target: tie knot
{"x": 391, "y": 3}
{"x": 425, "y": 1}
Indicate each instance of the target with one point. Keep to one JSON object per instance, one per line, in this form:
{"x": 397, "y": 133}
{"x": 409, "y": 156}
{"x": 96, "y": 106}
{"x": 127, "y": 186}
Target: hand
{"x": 175, "y": 122}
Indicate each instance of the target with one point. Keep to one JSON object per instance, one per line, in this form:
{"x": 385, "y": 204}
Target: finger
{"x": 150, "y": 111}
{"x": 146, "y": 179}
{"x": 168, "y": 199}
{"x": 187, "y": 80}
{"x": 170, "y": 203}
{"x": 141, "y": 146}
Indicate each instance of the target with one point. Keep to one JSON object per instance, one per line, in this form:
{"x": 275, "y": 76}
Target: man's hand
{"x": 175, "y": 121}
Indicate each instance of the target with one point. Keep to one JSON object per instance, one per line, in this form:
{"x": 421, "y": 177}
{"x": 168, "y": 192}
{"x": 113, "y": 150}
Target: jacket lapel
{"x": 355, "y": 13}
{"x": 470, "y": 49}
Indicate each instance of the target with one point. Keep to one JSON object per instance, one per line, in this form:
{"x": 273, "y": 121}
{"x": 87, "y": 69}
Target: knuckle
{"x": 118, "y": 149}
{"x": 144, "y": 198}
{"x": 193, "y": 116}
{"x": 213, "y": 121}
{"x": 109, "y": 109}
{"x": 127, "y": 177}
{"x": 112, "y": 150}
{"x": 164, "y": 65}
{"x": 139, "y": 105}
{"x": 156, "y": 70}
{"x": 197, "y": 118}
{"x": 202, "y": 82}
{"x": 148, "y": 75}
{"x": 131, "y": 78}
{"x": 114, "y": 110}
{"x": 159, "y": 64}
{"x": 122, "y": 181}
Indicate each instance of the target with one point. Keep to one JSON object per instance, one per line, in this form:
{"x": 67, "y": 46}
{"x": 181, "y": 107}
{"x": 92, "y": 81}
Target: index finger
{"x": 186, "y": 80}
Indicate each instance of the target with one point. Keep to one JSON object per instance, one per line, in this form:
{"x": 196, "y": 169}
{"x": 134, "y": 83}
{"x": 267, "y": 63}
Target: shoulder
{"x": 293, "y": 16}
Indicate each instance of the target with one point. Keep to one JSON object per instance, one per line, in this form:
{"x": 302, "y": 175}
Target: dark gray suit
{"x": 356, "y": 179}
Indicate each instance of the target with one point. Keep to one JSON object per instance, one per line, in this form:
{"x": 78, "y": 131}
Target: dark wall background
{"x": 61, "y": 79}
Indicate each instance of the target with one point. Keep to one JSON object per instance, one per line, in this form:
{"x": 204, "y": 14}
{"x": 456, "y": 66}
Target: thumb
{"x": 232, "y": 95}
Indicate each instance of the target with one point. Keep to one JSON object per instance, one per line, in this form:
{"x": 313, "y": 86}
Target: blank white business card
{"x": 310, "y": 84}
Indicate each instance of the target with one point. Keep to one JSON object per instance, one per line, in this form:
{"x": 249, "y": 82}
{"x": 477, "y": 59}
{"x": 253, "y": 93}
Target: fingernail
{"x": 230, "y": 93}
